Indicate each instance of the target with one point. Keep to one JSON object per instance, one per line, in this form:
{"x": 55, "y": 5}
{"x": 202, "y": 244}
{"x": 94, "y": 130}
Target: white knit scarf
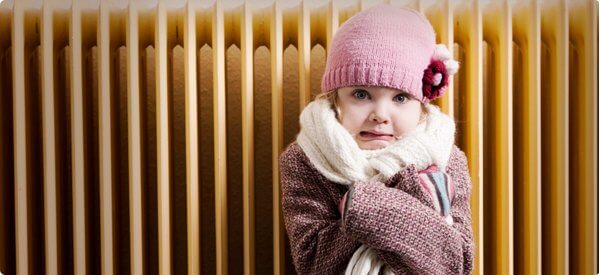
{"x": 336, "y": 155}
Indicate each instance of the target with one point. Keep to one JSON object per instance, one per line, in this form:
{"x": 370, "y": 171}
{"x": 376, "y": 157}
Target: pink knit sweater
{"x": 396, "y": 218}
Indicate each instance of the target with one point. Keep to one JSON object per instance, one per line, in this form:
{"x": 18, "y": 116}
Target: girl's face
{"x": 375, "y": 116}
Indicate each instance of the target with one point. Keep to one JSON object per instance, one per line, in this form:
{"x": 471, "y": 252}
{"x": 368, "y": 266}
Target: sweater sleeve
{"x": 406, "y": 231}
{"x": 312, "y": 219}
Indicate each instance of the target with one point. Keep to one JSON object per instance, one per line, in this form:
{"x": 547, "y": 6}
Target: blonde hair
{"x": 332, "y": 97}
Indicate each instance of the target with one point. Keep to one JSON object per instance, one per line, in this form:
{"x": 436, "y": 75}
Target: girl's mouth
{"x": 366, "y": 135}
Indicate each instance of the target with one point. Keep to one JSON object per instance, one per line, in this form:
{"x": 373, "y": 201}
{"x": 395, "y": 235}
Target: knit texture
{"x": 396, "y": 218}
{"x": 437, "y": 184}
{"x": 336, "y": 155}
{"x": 362, "y": 264}
{"x": 382, "y": 46}
{"x": 440, "y": 188}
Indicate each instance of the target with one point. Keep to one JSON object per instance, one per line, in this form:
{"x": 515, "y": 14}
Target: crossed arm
{"x": 396, "y": 218}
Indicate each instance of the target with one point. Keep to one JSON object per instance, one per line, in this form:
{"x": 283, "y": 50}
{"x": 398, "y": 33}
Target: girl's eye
{"x": 401, "y": 98}
{"x": 361, "y": 94}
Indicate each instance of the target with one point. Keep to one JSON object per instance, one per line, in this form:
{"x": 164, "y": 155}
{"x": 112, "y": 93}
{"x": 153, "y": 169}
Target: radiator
{"x": 142, "y": 137}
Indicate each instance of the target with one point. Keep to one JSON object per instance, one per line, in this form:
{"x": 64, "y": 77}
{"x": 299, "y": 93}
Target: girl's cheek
{"x": 355, "y": 112}
{"x": 406, "y": 124}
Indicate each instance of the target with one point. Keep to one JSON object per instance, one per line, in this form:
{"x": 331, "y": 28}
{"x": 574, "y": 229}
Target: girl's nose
{"x": 378, "y": 117}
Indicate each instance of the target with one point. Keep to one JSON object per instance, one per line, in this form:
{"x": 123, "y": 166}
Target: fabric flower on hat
{"x": 437, "y": 74}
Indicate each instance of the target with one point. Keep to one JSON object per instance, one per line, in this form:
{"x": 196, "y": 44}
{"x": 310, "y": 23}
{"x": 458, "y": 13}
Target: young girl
{"x": 373, "y": 183}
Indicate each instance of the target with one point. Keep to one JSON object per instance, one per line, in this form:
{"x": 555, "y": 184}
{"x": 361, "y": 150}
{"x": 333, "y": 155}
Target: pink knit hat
{"x": 386, "y": 46}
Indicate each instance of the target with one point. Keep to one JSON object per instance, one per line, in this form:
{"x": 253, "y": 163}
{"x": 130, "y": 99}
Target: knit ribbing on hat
{"x": 382, "y": 46}
{"x": 363, "y": 75}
